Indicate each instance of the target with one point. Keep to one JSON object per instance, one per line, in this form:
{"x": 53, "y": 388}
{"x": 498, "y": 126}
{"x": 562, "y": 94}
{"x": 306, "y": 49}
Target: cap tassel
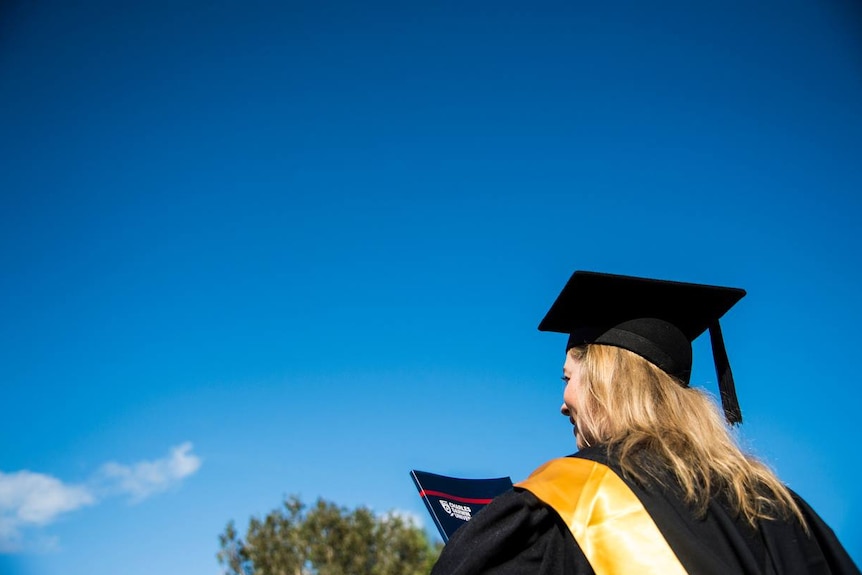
{"x": 725, "y": 377}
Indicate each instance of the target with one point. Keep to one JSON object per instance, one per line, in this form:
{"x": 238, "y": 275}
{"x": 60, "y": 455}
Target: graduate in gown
{"x": 658, "y": 485}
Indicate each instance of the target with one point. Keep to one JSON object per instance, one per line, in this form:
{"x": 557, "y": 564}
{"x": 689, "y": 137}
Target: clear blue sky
{"x": 263, "y": 248}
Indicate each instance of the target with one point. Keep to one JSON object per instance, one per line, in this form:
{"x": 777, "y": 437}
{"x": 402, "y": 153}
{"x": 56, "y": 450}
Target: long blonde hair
{"x": 645, "y": 417}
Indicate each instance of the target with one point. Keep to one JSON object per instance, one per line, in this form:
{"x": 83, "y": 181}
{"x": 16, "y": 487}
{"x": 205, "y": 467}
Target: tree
{"x": 326, "y": 539}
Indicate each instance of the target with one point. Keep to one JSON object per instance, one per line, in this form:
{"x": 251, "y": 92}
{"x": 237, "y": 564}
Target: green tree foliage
{"x": 325, "y": 539}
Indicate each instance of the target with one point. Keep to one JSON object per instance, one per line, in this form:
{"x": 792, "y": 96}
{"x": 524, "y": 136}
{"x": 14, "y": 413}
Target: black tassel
{"x": 725, "y": 377}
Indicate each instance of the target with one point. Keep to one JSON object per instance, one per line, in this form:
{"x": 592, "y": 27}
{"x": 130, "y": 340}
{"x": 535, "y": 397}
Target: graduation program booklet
{"x": 453, "y": 501}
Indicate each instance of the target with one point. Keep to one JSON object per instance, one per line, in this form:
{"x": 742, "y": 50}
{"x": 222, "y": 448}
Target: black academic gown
{"x": 517, "y": 533}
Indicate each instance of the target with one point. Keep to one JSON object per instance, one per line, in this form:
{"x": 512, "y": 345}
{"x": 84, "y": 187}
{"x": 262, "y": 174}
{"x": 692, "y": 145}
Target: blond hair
{"x": 646, "y": 416}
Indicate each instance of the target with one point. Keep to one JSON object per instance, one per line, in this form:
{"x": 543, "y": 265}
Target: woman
{"x": 659, "y": 485}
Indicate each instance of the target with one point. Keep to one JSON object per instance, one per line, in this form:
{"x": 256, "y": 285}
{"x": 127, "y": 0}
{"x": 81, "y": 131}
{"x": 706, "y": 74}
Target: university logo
{"x": 456, "y": 510}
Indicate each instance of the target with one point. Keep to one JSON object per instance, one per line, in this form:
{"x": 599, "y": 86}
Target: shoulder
{"x": 560, "y": 482}
{"x": 818, "y": 546}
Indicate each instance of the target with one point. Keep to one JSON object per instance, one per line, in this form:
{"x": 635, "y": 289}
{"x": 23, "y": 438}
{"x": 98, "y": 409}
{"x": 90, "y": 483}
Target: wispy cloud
{"x": 29, "y": 499}
{"x": 145, "y": 478}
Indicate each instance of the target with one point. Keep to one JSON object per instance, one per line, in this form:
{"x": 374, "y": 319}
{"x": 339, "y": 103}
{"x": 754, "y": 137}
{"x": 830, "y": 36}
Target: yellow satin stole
{"x": 608, "y": 521}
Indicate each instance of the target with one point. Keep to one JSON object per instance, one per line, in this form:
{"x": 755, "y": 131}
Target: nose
{"x": 564, "y": 409}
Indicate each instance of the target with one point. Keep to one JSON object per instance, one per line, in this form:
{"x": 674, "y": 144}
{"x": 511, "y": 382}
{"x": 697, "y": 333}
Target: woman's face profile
{"x": 571, "y": 394}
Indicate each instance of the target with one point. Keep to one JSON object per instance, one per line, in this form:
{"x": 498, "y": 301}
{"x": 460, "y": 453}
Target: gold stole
{"x": 608, "y": 521}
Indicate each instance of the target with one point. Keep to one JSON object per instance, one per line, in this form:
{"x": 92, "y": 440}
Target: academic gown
{"x": 519, "y": 534}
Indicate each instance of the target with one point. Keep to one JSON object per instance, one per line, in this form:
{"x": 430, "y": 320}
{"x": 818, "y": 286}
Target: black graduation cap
{"x": 655, "y": 319}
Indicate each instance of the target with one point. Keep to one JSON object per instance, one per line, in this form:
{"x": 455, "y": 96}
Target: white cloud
{"x": 145, "y": 478}
{"x": 37, "y": 498}
{"x": 31, "y": 500}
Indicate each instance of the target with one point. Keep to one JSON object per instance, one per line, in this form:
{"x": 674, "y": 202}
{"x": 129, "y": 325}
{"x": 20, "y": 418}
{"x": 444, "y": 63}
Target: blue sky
{"x": 258, "y": 249}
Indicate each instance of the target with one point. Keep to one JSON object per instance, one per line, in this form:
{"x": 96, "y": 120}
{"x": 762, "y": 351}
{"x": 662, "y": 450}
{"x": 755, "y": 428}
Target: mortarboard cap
{"x": 655, "y": 319}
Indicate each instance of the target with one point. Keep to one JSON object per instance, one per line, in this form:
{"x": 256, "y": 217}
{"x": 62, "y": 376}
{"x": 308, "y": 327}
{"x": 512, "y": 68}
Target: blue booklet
{"x": 453, "y": 501}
